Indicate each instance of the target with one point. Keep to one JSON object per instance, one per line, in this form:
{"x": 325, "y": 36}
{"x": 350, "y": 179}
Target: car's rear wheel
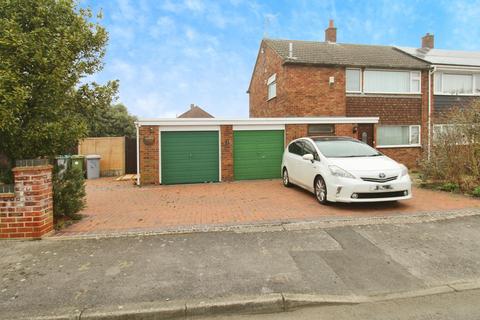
{"x": 286, "y": 179}
{"x": 321, "y": 190}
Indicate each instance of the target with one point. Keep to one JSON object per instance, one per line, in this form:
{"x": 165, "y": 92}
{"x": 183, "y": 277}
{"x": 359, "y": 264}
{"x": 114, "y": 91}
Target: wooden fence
{"x": 110, "y": 149}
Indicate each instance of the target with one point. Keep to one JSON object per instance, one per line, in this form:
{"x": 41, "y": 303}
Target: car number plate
{"x": 381, "y": 187}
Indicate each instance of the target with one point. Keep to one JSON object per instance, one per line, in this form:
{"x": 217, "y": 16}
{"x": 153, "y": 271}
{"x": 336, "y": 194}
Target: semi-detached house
{"x": 378, "y": 94}
{"x": 312, "y": 78}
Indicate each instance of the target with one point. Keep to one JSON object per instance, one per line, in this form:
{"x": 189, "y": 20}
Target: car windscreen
{"x": 345, "y": 149}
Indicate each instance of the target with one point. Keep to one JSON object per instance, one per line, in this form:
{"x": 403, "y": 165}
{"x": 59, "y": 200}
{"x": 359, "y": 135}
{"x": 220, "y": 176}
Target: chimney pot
{"x": 428, "y": 41}
{"x": 331, "y": 32}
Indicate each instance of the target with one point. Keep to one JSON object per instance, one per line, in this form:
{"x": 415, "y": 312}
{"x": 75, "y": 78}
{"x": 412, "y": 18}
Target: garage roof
{"x": 252, "y": 121}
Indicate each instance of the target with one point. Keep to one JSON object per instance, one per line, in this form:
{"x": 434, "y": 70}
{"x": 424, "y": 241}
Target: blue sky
{"x": 168, "y": 54}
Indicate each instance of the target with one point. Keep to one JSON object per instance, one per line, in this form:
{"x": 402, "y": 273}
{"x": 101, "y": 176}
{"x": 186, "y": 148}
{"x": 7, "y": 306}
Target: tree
{"x": 113, "y": 121}
{"x": 46, "y": 48}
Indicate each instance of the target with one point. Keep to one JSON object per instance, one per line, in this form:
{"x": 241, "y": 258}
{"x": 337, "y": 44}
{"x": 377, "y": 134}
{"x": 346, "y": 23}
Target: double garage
{"x": 176, "y": 151}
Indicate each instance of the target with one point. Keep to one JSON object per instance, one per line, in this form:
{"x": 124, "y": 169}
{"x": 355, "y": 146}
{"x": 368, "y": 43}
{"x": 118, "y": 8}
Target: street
{"x": 57, "y": 277}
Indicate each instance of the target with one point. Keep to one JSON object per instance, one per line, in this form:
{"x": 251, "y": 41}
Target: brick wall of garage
{"x": 226, "y": 133}
{"x": 149, "y": 160}
{"x": 149, "y": 151}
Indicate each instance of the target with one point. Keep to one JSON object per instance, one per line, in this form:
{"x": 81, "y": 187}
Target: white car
{"x": 341, "y": 169}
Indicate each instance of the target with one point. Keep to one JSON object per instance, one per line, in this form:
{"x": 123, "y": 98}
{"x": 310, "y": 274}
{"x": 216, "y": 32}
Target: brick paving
{"x": 119, "y": 206}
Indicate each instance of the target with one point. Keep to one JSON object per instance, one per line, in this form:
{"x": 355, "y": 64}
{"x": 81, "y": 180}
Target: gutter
{"x": 429, "y": 142}
{"x": 137, "y": 126}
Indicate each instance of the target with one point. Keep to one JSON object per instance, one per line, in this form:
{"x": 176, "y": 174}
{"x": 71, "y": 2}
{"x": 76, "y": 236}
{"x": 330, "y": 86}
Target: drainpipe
{"x": 137, "y": 126}
{"x": 429, "y": 142}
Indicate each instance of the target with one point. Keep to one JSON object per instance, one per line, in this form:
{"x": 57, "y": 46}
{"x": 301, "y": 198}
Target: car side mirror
{"x": 308, "y": 157}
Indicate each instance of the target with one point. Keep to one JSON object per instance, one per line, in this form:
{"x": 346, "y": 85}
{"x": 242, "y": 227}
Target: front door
{"x": 365, "y": 133}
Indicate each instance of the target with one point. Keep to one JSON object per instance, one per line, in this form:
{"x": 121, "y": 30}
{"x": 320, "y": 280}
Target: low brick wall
{"x": 27, "y": 213}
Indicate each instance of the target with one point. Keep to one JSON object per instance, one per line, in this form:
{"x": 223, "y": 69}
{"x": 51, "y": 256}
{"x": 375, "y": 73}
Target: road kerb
{"x": 295, "y": 301}
{"x": 271, "y": 303}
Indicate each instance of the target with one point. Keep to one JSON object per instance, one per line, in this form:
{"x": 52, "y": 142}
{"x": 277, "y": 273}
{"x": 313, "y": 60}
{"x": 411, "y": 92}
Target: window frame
{"x": 271, "y": 81}
{"x": 360, "y": 80}
{"x": 330, "y": 134}
{"x": 411, "y": 79}
{"x": 410, "y": 145}
{"x": 475, "y": 76}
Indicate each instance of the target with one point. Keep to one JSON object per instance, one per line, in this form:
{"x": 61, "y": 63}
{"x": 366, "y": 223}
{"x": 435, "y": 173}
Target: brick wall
{"x": 149, "y": 161}
{"x": 227, "y": 152}
{"x": 302, "y": 90}
{"x": 295, "y": 131}
{"x": 28, "y": 212}
{"x": 407, "y": 156}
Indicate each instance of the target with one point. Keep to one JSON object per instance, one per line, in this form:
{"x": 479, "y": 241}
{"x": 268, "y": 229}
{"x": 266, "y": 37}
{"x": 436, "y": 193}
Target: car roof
{"x": 329, "y": 138}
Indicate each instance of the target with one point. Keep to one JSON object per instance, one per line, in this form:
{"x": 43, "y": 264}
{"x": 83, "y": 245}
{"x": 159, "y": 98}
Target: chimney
{"x": 331, "y": 33}
{"x": 192, "y": 106}
{"x": 428, "y": 41}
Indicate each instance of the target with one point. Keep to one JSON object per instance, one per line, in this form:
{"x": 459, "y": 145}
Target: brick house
{"x": 455, "y": 77}
{"x": 321, "y": 79}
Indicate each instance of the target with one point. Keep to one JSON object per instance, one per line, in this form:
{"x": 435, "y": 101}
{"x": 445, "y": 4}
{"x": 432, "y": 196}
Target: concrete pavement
{"x": 72, "y": 277}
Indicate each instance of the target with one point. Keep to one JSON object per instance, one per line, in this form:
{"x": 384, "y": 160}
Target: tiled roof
{"x": 195, "y": 112}
{"x": 358, "y": 55}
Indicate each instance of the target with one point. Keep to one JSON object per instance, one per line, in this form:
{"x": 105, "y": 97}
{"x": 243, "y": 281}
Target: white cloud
{"x": 194, "y": 5}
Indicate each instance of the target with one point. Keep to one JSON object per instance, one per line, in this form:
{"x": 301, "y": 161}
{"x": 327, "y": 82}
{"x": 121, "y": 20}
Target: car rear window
{"x": 345, "y": 149}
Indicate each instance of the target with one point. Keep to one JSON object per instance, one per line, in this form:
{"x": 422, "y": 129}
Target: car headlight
{"x": 339, "y": 172}
{"x": 404, "y": 171}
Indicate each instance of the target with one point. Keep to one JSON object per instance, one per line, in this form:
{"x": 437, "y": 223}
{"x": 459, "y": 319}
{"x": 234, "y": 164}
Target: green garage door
{"x": 189, "y": 156}
{"x": 257, "y": 154}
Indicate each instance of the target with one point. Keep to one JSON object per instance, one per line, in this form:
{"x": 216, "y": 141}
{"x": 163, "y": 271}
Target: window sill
{"x": 457, "y": 94}
{"x": 400, "y": 146}
{"x": 271, "y": 98}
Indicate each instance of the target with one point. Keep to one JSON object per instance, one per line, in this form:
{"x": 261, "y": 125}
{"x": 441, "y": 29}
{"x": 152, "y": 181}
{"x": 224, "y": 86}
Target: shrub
{"x": 476, "y": 192}
{"x": 68, "y": 193}
{"x": 454, "y": 162}
{"x": 450, "y": 187}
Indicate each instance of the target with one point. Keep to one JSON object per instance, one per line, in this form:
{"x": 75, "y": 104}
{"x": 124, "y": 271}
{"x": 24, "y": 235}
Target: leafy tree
{"x": 112, "y": 121}
{"x": 46, "y": 48}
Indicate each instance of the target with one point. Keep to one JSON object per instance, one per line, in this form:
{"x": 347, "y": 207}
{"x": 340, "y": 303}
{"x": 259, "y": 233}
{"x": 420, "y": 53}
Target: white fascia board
{"x": 442, "y": 67}
{"x": 258, "y": 127}
{"x": 254, "y": 121}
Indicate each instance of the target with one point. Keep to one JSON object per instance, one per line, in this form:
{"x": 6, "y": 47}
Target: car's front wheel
{"x": 285, "y": 178}
{"x": 321, "y": 190}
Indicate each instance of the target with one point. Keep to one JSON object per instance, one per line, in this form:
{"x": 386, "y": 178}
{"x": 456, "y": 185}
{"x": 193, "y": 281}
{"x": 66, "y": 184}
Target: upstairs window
{"x": 354, "y": 80}
{"x": 272, "y": 86}
{"x": 386, "y": 81}
{"x": 457, "y": 83}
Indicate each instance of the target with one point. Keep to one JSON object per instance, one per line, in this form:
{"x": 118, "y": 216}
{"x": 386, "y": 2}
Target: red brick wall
{"x": 28, "y": 213}
{"x": 149, "y": 162}
{"x": 295, "y": 131}
{"x": 345, "y": 130}
{"x": 407, "y": 156}
{"x": 302, "y": 90}
{"x": 226, "y": 133}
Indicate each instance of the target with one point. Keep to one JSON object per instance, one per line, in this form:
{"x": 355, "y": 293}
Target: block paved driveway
{"x": 119, "y": 206}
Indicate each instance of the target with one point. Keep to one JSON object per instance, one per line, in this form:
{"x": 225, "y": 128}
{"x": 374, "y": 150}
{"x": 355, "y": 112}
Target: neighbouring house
{"x": 455, "y": 76}
{"x": 326, "y": 78}
{"x": 195, "y": 112}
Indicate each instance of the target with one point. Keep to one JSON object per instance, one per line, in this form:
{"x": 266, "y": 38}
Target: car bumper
{"x": 356, "y": 190}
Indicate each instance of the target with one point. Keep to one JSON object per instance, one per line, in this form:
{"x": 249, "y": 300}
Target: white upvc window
{"x": 398, "y": 136}
{"x": 449, "y": 83}
{"x": 272, "y": 86}
{"x": 392, "y": 81}
{"x": 353, "y": 82}
{"x": 450, "y": 132}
